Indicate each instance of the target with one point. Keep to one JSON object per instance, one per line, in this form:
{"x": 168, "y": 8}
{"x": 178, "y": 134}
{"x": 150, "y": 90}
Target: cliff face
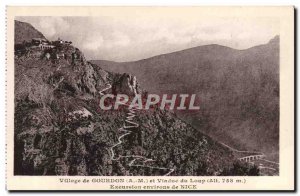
{"x": 60, "y": 129}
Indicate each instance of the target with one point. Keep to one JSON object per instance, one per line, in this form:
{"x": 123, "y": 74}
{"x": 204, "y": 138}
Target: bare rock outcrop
{"x": 126, "y": 84}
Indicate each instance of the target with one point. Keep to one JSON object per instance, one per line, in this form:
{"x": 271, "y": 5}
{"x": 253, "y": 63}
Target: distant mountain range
{"x": 238, "y": 90}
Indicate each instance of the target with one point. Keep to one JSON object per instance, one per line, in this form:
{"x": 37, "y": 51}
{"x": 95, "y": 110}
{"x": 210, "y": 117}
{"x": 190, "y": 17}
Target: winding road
{"x": 131, "y": 124}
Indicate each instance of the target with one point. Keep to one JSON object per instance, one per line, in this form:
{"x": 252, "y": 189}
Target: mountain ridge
{"x": 274, "y": 39}
{"x": 25, "y": 32}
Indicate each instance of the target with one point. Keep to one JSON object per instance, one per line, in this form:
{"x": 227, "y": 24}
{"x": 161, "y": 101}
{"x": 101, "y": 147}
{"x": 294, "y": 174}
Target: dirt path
{"x": 131, "y": 124}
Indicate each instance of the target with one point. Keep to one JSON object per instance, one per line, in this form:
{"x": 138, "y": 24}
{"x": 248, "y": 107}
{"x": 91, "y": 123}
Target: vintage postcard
{"x": 150, "y": 98}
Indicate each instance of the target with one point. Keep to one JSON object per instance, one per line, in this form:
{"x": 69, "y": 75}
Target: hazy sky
{"x": 133, "y": 38}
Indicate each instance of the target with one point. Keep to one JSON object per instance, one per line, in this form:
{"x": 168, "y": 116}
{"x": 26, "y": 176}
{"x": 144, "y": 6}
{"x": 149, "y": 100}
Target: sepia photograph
{"x": 162, "y": 92}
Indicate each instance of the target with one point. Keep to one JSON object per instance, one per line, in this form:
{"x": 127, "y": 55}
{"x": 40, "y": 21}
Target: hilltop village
{"x": 49, "y": 50}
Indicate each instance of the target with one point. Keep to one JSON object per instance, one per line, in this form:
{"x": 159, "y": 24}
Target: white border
{"x": 3, "y": 3}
